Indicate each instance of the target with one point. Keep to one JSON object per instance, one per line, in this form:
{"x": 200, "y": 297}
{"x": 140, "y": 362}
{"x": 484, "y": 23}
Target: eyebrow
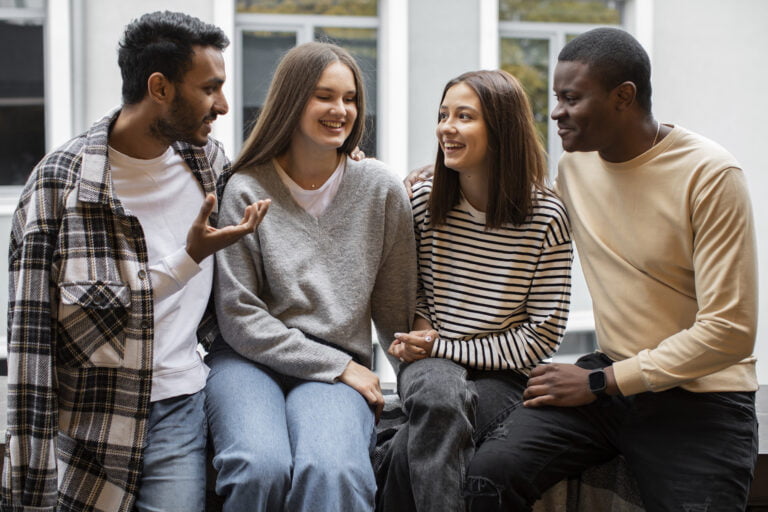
{"x": 331, "y": 89}
{"x": 460, "y": 107}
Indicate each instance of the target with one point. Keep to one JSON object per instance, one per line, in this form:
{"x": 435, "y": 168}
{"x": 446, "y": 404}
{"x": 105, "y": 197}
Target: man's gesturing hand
{"x": 204, "y": 240}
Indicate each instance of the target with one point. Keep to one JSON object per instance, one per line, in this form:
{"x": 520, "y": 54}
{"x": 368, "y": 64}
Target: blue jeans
{"x": 173, "y": 478}
{"x": 450, "y": 410}
{"x": 287, "y": 444}
{"x": 687, "y": 451}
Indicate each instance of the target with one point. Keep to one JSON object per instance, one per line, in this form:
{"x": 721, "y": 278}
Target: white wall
{"x": 102, "y": 27}
{"x": 709, "y": 76}
{"x": 444, "y": 39}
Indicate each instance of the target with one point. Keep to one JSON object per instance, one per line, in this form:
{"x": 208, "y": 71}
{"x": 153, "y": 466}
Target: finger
{"x": 205, "y": 210}
{"x": 539, "y": 401}
{"x": 413, "y": 340}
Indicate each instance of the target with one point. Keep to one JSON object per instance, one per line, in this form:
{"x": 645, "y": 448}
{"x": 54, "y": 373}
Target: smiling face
{"x": 462, "y": 132}
{"x": 198, "y": 99}
{"x": 584, "y": 111}
{"x": 331, "y": 111}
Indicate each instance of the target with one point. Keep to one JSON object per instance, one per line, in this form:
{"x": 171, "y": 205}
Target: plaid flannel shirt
{"x": 80, "y": 332}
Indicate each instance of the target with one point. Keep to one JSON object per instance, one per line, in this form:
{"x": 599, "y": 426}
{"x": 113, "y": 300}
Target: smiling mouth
{"x": 452, "y": 146}
{"x": 332, "y": 124}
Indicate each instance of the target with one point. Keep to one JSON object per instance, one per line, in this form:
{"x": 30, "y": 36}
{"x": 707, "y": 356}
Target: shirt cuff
{"x": 181, "y": 266}
{"x": 629, "y": 376}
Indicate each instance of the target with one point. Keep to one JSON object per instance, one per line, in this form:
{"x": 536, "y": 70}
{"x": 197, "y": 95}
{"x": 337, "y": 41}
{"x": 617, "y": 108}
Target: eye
{"x": 442, "y": 116}
{"x": 351, "y": 99}
{"x": 464, "y": 116}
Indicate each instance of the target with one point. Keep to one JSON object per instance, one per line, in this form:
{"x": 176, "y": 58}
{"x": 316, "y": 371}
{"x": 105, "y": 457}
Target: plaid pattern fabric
{"x": 80, "y": 331}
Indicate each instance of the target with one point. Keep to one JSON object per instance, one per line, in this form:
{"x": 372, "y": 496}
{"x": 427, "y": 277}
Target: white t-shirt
{"x": 314, "y": 202}
{"x": 166, "y": 197}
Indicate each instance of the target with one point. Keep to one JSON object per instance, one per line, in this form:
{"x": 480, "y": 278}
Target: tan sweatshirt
{"x": 668, "y": 249}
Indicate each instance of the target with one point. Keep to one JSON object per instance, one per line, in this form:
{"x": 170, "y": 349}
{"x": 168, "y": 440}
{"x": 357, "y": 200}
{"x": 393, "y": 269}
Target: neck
{"x": 309, "y": 170}
{"x": 474, "y": 186}
{"x": 634, "y": 140}
{"x": 131, "y": 135}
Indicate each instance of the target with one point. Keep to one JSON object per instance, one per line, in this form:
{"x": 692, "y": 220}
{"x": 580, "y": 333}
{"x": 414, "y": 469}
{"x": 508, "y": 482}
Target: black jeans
{"x": 688, "y": 451}
{"x": 450, "y": 410}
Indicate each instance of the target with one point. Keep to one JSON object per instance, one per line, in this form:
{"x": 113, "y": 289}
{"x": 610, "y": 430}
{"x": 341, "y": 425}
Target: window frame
{"x": 555, "y": 34}
{"x": 304, "y": 26}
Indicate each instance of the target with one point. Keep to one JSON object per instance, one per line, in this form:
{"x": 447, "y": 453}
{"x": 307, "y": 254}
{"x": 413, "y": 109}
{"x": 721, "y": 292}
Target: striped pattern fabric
{"x": 80, "y": 332}
{"x": 499, "y": 299}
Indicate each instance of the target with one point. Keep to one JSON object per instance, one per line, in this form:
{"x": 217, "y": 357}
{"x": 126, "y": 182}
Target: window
{"x": 266, "y": 29}
{"x": 531, "y": 34}
{"x": 22, "y": 105}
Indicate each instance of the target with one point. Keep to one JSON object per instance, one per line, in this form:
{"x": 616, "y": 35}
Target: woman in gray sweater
{"x": 291, "y": 396}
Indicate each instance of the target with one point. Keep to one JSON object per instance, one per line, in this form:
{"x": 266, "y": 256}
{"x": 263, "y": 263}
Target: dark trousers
{"x": 688, "y": 451}
{"x": 449, "y": 411}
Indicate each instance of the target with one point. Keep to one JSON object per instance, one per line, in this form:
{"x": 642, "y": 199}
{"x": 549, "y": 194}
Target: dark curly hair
{"x": 162, "y": 42}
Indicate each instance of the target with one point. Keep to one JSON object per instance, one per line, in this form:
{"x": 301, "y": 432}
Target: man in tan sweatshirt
{"x": 662, "y": 221}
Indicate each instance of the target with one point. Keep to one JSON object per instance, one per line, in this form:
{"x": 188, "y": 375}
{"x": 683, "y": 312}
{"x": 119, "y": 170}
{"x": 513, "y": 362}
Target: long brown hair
{"x": 294, "y": 82}
{"x": 518, "y": 162}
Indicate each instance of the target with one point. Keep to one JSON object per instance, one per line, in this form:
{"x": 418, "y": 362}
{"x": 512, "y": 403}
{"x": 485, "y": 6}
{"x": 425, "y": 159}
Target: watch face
{"x": 597, "y": 381}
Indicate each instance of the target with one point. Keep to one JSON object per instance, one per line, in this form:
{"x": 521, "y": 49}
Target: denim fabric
{"x": 687, "y": 451}
{"x": 424, "y": 467}
{"x": 287, "y": 444}
{"x": 173, "y": 477}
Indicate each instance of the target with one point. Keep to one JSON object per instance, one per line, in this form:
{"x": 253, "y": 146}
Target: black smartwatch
{"x": 597, "y": 382}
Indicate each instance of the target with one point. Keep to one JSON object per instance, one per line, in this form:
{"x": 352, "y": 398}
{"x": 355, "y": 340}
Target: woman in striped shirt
{"x": 494, "y": 255}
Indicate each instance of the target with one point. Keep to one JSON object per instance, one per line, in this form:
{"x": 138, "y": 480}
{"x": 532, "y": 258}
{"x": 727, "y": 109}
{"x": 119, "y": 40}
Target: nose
{"x": 221, "y": 106}
{"x": 446, "y": 126}
{"x": 337, "y": 106}
{"x": 557, "y": 112}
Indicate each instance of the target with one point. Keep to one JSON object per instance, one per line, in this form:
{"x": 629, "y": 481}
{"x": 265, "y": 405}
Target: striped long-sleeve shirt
{"x": 498, "y": 298}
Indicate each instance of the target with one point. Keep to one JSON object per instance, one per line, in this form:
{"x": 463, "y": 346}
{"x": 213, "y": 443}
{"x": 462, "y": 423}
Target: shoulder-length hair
{"x": 518, "y": 162}
{"x": 293, "y": 84}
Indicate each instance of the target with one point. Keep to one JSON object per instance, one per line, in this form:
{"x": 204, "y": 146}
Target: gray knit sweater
{"x": 325, "y": 277}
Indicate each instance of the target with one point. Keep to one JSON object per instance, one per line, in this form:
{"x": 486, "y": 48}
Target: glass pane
{"x": 361, "y": 43}
{"x": 606, "y": 12}
{"x": 22, "y": 113}
{"x": 332, "y": 7}
{"x": 528, "y": 60}
{"x": 22, "y": 141}
{"x": 20, "y": 4}
{"x": 261, "y": 53}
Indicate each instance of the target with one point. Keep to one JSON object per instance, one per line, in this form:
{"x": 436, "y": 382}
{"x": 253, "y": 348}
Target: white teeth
{"x": 331, "y": 124}
{"x": 453, "y": 146}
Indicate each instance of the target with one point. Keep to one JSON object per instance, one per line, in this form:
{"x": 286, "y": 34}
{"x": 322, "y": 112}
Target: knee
{"x": 495, "y": 483}
{"x": 246, "y": 469}
{"x": 440, "y": 390}
{"x": 345, "y": 475}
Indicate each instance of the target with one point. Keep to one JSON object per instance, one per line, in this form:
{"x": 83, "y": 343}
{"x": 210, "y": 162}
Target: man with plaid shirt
{"x": 109, "y": 286}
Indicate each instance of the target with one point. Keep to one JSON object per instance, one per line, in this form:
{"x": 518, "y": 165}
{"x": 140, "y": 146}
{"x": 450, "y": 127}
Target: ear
{"x": 625, "y": 94}
{"x": 159, "y": 88}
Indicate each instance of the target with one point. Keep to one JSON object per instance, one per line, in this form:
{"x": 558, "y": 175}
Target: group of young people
{"x": 467, "y": 285}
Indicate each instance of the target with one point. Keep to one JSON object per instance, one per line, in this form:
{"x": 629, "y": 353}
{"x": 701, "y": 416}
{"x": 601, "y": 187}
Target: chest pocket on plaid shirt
{"x": 93, "y": 316}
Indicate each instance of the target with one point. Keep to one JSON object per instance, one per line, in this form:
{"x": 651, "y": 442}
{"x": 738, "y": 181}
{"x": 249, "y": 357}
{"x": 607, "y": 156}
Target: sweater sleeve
{"x": 244, "y": 318}
{"x": 526, "y": 344}
{"x": 725, "y": 273}
{"x": 393, "y": 297}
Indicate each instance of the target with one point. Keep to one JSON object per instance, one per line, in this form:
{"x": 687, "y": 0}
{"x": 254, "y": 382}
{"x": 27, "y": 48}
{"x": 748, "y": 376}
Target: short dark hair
{"x": 292, "y": 86}
{"x": 162, "y": 42}
{"x": 518, "y": 163}
{"x": 614, "y": 57}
